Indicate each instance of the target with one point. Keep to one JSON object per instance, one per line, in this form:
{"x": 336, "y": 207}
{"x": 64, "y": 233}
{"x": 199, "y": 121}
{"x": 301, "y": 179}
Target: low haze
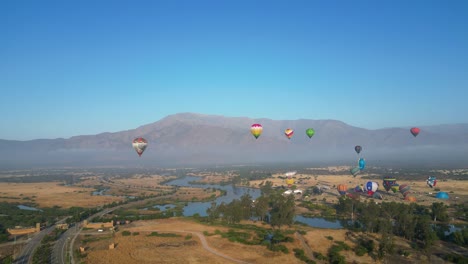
{"x": 87, "y": 67}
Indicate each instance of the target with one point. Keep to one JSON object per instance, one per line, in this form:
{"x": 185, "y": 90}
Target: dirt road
{"x": 203, "y": 242}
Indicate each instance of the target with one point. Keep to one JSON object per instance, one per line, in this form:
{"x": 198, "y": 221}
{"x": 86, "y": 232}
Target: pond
{"x": 24, "y": 207}
{"x": 235, "y": 193}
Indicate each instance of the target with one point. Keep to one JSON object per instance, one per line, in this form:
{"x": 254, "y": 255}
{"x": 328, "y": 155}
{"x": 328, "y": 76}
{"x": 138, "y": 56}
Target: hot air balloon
{"x": 404, "y": 189}
{"x": 377, "y": 195}
{"x": 355, "y": 171}
{"x": 256, "y": 130}
{"x": 388, "y": 182}
{"x": 358, "y": 149}
{"x": 358, "y": 188}
{"x": 415, "y": 131}
{"x": 310, "y": 132}
{"x": 442, "y": 195}
{"x": 139, "y": 144}
{"x": 289, "y": 174}
{"x": 395, "y": 187}
{"x": 342, "y": 189}
{"x": 362, "y": 163}
{"x": 289, "y": 133}
{"x": 289, "y": 182}
{"x": 410, "y": 199}
{"x": 371, "y": 187}
{"x": 431, "y": 181}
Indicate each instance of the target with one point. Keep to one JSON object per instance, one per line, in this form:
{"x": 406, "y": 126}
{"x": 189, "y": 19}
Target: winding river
{"x": 235, "y": 193}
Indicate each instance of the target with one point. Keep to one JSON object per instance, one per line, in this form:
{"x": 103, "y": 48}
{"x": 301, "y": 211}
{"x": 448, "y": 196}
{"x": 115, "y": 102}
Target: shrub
{"x": 136, "y": 233}
{"x": 329, "y": 237}
{"x": 360, "y": 250}
{"x": 126, "y": 233}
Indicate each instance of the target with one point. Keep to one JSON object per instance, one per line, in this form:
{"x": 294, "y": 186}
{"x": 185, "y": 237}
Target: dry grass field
{"x": 49, "y": 194}
{"x": 142, "y": 248}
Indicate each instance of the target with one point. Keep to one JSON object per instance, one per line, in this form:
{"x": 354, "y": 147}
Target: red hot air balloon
{"x": 415, "y": 131}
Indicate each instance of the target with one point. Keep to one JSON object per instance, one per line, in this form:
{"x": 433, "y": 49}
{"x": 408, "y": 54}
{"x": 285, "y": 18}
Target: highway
{"x": 27, "y": 251}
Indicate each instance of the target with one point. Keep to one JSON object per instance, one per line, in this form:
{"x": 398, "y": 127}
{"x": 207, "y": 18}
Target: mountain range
{"x": 187, "y": 139}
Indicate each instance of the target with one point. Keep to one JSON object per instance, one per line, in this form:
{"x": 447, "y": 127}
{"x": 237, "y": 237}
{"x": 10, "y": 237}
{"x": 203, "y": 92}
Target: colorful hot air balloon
{"x": 388, "y": 182}
{"x": 395, "y": 187}
{"x": 431, "y": 181}
{"x": 404, "y": 189}
{"x": 256, "y": 130}
{"x": 358, "y": 149}
{"x": 355, "y": 171}
{"x": 358, "y": 188}
{"x": 310, "y": 132}
{"x": 362, "y": 163}
{"x": 139, "y": 144}
{"x": 371, "y": 187}
{"x": 289, "y": 133}
{"x": 415, "y": 131}
{"x": 342, "y": 189}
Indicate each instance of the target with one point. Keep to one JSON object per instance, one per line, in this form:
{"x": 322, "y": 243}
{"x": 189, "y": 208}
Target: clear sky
{"x": 85, "y": 67}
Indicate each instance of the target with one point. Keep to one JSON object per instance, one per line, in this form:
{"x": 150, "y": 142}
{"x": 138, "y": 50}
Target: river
{"x": 235, "y": 193}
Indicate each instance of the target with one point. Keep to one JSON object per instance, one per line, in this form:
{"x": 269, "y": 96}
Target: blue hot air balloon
{"x": 362, "y": 163}
{"x": 442, "y": 195}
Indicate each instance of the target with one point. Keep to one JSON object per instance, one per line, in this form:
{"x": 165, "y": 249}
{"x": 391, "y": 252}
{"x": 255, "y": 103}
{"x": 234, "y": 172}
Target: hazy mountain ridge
{"x": 189, "y": 138}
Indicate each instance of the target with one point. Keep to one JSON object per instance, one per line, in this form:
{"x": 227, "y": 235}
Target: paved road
{"x": 27, "y": 251}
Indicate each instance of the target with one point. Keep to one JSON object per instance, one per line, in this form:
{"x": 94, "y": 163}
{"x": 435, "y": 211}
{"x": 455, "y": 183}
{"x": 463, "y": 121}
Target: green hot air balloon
{"x": 310, "y": 132}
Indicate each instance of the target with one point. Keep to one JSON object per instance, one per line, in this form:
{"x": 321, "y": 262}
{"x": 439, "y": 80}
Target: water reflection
{"x": 232, "y": 193}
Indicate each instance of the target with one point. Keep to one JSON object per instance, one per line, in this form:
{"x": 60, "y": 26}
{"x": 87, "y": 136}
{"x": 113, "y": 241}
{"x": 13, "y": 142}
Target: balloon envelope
{"x": 342, "y": 189}
{"x": 415, "y": 131}
{"x": 355, "y": 171}
{"x": 395, "y": 187}
{"x": 388, "y": 182}
{"x": 377, "y": 195}
{"x": 371, "y": 187}
{"x": 289, "y": 133}
{"x": 431, "y": 181}
{"x": 358, "y": 188}
{"x": 256, "y": 130}
{"x": 358, "y": 149}
{"x": 139, "y": 144}
{"x": 310, "y": 132}
{"x": 442, "y": 195}
{"x": 411, "y": 199}
{"x": 362, "y": 163}
{"x": 404, "y": 189}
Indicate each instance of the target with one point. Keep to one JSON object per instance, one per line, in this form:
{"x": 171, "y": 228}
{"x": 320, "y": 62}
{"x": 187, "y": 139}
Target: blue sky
{"x": 84, "y": 67}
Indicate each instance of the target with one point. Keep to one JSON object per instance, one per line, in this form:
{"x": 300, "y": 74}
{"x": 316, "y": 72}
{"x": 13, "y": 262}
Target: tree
{"x": 246, "y": 206}
{"x": 267, "y": 188}
{"x": 282, "y": 212}
{"x": 261, "y": 207}
{"x": 439, "y": 211}
{"x": 212, "y": 212}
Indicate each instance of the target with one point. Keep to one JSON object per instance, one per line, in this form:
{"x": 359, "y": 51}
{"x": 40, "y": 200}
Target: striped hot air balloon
{"x": 342, "y": 189}
{"x": 256, "y": 130}
{"x": 289, "y": 133}
{"x": 404, "y": 189}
